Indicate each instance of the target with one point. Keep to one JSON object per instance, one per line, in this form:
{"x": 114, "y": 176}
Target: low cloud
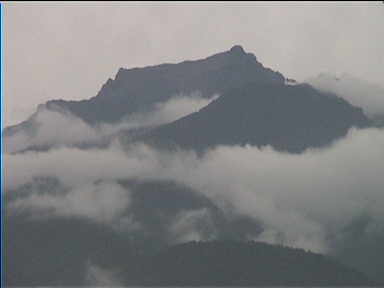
{"x": 369, "y": 97}
{"x": 301, "y": 200}
{"x": 50, "y": 128}
{"x": 103, "y": 202}
{"x": 57, "y": 127}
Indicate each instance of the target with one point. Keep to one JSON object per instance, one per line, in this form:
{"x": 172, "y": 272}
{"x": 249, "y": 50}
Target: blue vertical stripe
{"x": 2, "y": 167}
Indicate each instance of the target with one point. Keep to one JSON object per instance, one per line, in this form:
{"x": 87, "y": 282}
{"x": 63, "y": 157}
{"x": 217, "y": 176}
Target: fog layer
{"x": 302, "y": 200}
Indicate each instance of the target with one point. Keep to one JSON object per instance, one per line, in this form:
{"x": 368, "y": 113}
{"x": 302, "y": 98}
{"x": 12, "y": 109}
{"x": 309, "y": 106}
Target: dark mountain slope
{"x": 54, "y": 250}
{"x": 241, "y": 264}
{"x": 361, "y": 250}
{"x": 289, "y": 118}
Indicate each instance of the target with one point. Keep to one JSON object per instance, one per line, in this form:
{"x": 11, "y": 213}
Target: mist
{"x": 195, "y": 225}
{"x": 85, "y": 201}
{"x": 301, "y": 200}
{"x": 57, "y": 127}
{"x": 99, "y": 276}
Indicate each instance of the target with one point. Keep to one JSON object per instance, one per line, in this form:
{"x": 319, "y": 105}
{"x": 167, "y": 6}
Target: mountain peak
{"x": 154, "y": 84}
{"x": 237, "y": 49}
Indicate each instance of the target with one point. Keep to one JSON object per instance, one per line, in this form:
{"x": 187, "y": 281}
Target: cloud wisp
{"x": 98, "y": 276}
{"x": 57, "y": 128}
{"x": 102, "y": 202}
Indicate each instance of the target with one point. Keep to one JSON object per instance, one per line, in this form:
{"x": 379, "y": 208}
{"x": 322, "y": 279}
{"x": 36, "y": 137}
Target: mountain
{"x": 161, "y": 213}
{"x": 165, "y": 214}
{"x": 257, "y": 106}
{"x": 217, "y": 263}
{"x": 289, "y": 118}
{"x": 240, "y": 264}
{"x": 139, "y": 89}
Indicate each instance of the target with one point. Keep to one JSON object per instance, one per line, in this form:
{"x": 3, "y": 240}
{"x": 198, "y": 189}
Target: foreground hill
{"x": 240, "y": 264}
{"x": 34, "y": 244}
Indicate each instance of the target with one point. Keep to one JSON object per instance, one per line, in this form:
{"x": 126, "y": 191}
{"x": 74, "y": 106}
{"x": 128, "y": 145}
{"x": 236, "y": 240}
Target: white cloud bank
{"x": 302, "y": 200}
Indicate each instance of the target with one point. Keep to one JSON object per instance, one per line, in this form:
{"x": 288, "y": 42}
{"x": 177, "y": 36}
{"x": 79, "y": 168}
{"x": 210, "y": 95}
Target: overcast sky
{"x": 68, "y": 50}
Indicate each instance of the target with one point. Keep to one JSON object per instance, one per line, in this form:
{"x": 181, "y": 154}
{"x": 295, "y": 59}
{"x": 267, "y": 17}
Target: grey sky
{"x": 68, "y": 50}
